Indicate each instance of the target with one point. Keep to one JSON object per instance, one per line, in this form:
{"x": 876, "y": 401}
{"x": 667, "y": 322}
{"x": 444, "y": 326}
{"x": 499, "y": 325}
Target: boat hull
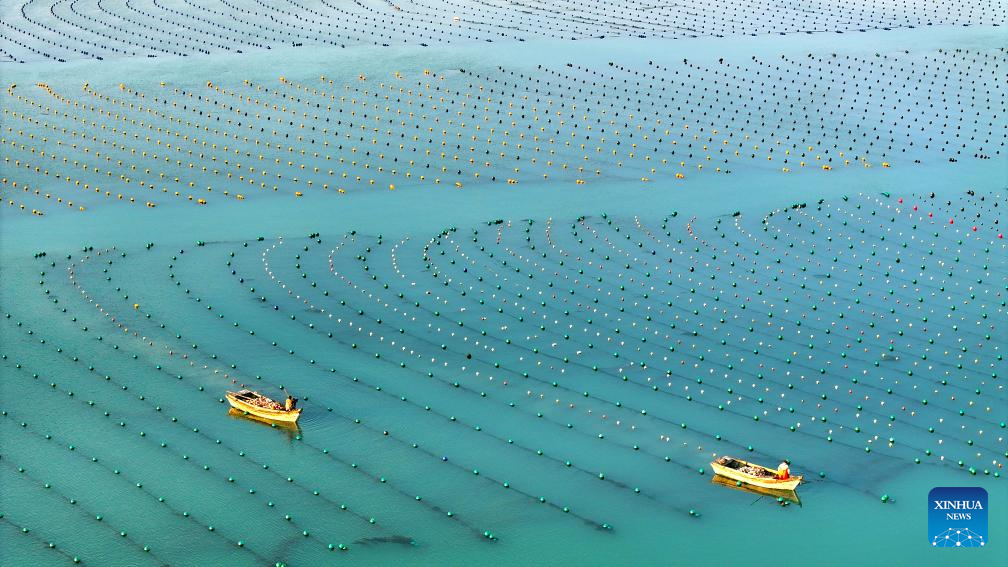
{"x": 264, "y": 413}
{"x": 762, "y": 482}
{"x": 244, "y": 415}
{"x": 789, "y": 495}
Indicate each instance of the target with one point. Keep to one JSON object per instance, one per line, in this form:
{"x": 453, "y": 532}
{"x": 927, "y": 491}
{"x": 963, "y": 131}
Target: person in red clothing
{"x": 783, "y": 472}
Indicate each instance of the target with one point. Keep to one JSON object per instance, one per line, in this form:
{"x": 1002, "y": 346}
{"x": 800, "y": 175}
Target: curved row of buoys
{"x": 61, "y": 29}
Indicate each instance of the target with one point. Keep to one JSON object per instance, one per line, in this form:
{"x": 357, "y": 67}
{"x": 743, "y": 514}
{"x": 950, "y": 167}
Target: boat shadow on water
{"x": 392, "y": 539}
{"x": 780, "y": 497}
{"x": 291, "y": 430}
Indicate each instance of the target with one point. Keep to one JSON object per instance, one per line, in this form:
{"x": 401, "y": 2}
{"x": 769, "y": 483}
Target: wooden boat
{"x": 774, "y": 493}
{"x": 730, "y": 467}
{"x": 254, "y": 403}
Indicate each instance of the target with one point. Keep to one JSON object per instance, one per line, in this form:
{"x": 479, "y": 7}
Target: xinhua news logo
{"x": 957, "y": 517}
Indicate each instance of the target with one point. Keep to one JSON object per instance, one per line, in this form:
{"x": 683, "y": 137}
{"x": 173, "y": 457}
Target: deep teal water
{"x": 215, "y": 310}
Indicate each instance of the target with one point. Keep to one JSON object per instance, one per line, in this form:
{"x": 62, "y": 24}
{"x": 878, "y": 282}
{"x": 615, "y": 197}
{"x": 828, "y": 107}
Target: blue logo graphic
{"x": 957, "y": 517}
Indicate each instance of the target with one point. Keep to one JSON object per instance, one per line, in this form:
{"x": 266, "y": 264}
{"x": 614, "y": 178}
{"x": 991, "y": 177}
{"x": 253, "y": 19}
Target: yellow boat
{"x": 256, "y": 404}
{"x": 756, "y": 475}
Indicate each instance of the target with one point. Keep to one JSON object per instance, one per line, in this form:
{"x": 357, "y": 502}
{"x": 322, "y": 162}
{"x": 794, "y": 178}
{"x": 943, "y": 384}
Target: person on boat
{"x": 783, "y": 472}
{"x": 289, "y": 403}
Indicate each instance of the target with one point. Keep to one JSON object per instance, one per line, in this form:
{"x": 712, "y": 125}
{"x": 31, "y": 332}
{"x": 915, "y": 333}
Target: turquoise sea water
{"x": 559, "y": 380}
{"x": 209, "y": 302}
